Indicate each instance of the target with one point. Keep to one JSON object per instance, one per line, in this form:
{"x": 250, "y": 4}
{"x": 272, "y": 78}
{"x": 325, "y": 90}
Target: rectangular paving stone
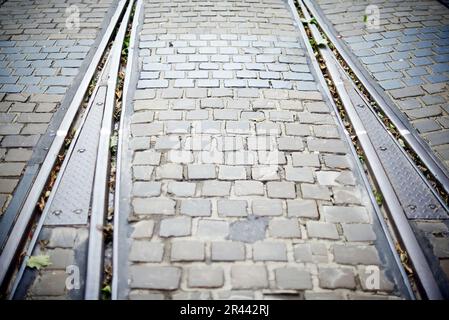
{"x": 187, "y": 251}
{"x": 212, "y": 229}
{"x": 269, "y": 251}
{"x": 227, "y": 251}
{"x": 155, "y": 277}
{"x": 293, "y": 279}
{"x": 181, "y": 189}
{"x": 149, "y": 206}
{"x": 322, "y": 230}
{"x": 215, "y": 188}
{"x": 333, "y": 278}
{"x": 232, "y": 208}
{"x": 175, "y": 227}
{"x": 144, "y": 251}
{"x": 284, "y": 228}
{"x": 196, "y": 207}
{"x": 249, "y": 277}
{"x": 243, "y": 188}
{"x": 354, "y": 255}
{"x": 205, "y": 277}
{"x": 345, "y": 214}
{"x": 265, "y": 207}
{"x": 277, "y": 189}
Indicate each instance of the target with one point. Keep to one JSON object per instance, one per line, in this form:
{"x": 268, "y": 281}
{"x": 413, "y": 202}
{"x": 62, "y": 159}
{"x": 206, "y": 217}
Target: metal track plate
{"x": 71, "y": 202}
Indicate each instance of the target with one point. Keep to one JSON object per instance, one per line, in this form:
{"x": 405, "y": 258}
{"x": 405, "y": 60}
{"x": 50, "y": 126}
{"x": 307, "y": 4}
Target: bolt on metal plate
{"x": 414, "y": 194}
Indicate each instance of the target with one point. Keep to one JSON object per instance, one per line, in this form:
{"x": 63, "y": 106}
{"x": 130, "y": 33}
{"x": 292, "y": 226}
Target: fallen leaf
{"x": 38, "y": 262}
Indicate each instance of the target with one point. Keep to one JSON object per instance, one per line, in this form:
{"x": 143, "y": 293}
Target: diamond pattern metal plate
{"x": 416, "y": 197}
{"x": 71, "y": 202}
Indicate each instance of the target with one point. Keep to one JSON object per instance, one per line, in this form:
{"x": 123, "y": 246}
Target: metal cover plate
{"x": 415, "y": 195}
{"x": 71, "y": 201}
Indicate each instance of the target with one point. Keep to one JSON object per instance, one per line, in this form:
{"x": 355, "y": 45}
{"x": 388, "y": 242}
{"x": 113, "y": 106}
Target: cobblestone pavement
{"x": 42, "y": 49}
{"x": 242, "y": 184}
{"x": 408, "y": 55}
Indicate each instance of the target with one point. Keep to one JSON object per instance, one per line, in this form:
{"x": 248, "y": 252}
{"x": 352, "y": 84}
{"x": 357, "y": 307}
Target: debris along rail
{"x": 372, "y": 193}
{"x": 376, "y": 142}
{"x": 404, "y": 128}
{"x": 123, "y": 131}
{"x": 99, "y": 197}
{"x": 16, "y": 220}
{"x": 68, "y": 205}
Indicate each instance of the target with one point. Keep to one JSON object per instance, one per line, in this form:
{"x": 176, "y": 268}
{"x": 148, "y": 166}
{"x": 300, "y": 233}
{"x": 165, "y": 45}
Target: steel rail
{"x": 18, "y": 231}
{"x": 378, "y": 213}
{"x": 99, "y": 198}
{"x": 401, "y": 223}
{"x": 45, "y": 213}
{"x": 409, "y": 134}
{"x": 122, "y": 132}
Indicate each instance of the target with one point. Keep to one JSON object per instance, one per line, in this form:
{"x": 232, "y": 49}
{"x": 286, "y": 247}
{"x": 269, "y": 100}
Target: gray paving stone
{"x": 332, "y": 278}
{"x": 144, "y": 251}
{"x": 8, "y": 185}
{"x": 359, "y": 232}
{"x": 305, "y": 159}
{"x": 232, "y": 208}
{"x": 216, "y": 188}
{"x": 322, "y": 230}
{"x": 169, "y": 171}
{"x": 155, "y": 277}
{"x": 11, "y": 169}
{"x": 293, "y": 279}
{"x": 265, "y": 207}
{"x": 303, "y": 252}
{"x": 152, "y": 206}
{"x": 66, "y": 237}
{"x": 440, "y": 247}
{"x": 143, "y": 229}
{"x": 213, "y": 229}
{"x": 290, "y": 144}
{"x": 205, "y": 277}
{"x": 284, "y": 228}
{"x": 147, "y": 189}
{"x": 302, "y": 208}
{"x": 269, "y": 251}
{"x": 175, "y": 227}
{"x": 231, "y": 173}
{"x": 299, "y": 174}
{"x": 248, "y": 277}
{"x": 187, "y": 251}
{"x": 227, "y": 251}
{"x": 326, "y": 145}
{"x": 201, "y": 171}
{"x": 149, "y": 157}
{"x": 196, "y": 207}
{"x": 277, "y": 189}
{"x": 243, "y": 188}
{"x": 50, "y": 283}
{"x": 345, "y": 214}
{"x": 181, "y": 189}
{"x": 354, "y": 255}
{"x": 316, "y": 192}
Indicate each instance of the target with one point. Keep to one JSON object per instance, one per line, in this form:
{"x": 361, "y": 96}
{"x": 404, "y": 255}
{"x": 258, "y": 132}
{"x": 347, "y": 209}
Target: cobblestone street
{"x": 242, "y": 185}
{"x": 218, "y": 150}
{"x": 408, "y": 55}
{"x": 42, "y": 50}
